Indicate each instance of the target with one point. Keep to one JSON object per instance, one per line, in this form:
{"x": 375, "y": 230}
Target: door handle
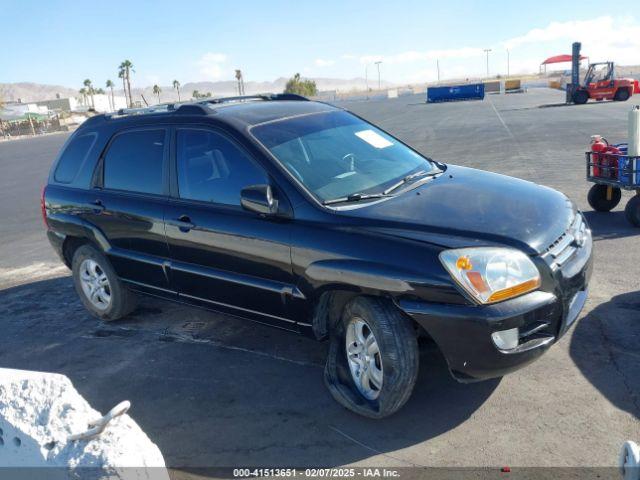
{"x": 97, "y": 206}
{"x": 183, "y": 223}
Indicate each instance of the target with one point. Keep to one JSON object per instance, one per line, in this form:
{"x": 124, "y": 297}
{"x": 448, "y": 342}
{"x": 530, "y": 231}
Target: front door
{"x": 222, "y": 255}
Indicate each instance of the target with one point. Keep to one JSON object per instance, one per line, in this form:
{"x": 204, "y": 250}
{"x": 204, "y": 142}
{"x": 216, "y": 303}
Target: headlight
{"x": 491, "y": 274}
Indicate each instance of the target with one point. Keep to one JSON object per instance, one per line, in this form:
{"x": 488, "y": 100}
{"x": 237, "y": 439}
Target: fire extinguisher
{"x": 610, "y": 160}
{"x": 598, "y": 146}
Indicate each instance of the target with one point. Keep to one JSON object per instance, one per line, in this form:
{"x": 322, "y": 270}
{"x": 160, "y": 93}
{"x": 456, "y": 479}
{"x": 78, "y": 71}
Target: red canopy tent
{"x": 560, "y": 59}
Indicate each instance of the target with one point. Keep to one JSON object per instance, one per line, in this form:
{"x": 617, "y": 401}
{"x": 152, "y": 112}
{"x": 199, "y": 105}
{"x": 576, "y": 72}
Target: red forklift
{"x": 600, "y": 83}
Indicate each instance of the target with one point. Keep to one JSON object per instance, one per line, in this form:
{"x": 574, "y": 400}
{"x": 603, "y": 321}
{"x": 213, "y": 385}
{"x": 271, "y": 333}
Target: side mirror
{"x": 259, "y": 199}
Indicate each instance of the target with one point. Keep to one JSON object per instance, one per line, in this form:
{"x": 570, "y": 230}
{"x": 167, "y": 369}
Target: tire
{"x": 598, "y": 198}
{"x": 397, "y": 358}
{"x": 580, "y": 97}
{"x": 632, "y": 211}
{"x": 90, "y": 268}
{"x": 622, "y": 95}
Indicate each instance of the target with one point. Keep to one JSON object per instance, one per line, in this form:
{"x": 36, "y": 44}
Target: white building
{"x": 23, "y": 108}
{"x": 100, "y": 102}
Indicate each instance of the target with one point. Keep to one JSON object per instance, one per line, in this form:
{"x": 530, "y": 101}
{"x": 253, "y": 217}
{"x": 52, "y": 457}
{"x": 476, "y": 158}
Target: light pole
{"x": 487, "y": 50}
{"x": 378, "y": 64}
{"x": 507, "y": 63}
{"x": 438, "y": 68}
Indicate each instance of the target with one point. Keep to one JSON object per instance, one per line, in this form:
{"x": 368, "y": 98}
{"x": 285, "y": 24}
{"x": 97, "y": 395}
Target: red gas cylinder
{"x": 598, "y": 146}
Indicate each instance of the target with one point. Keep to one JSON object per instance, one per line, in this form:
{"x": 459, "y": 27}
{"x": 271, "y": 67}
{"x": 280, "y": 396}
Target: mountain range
{"x": 31, "y": 92}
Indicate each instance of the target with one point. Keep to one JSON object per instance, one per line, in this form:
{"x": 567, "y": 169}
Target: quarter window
{"x": 134, "y": 162}
{"x": 73, "y": 157}
{"x": 213, "y": 169}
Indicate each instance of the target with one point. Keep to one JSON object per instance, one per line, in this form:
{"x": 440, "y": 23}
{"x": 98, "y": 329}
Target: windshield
{"x": 337, "y": 155}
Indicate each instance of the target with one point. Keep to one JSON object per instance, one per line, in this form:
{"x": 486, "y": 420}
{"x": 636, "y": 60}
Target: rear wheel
{"x": 622, "y": 95}
{"x": 580, "y": 97}
{"x": 603, "y": 201}
{"x": 632, "y": 211}
{"x": 372, "y": 365}
{"x": 98, "y": 286}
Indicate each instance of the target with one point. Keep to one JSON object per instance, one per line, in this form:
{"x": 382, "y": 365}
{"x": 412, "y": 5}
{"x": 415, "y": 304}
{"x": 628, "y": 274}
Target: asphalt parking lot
{"x": 211, "y": 390}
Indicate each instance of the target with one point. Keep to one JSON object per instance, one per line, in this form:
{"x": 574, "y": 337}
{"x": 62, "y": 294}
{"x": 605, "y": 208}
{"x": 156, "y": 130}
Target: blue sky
{"x": 64, "y": 42}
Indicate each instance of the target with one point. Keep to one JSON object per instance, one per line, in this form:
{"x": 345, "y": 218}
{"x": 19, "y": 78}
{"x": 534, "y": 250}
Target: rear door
{"x": 130, "y": 193}
{"x": 222, "y": 255}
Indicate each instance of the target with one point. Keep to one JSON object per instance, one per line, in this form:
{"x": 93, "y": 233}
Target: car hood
{"x": 465, "y": 207}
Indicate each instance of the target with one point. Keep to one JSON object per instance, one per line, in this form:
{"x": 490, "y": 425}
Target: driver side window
{"x": 213, "y": 169}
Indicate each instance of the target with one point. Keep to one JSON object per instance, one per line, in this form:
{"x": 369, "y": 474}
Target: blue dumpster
{"x": 474, "y": 91}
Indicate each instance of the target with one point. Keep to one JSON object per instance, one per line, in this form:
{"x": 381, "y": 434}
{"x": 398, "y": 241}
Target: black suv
{"x": 304, "y": 216}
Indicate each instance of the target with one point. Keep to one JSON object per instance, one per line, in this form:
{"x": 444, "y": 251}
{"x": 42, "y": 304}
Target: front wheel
{"x": 601, "y": 200}
{"x": 580, "y": 97}
{"x": 98, "y": 286}
{"x": 632, "y": 210}
{"x": 372, "y": 364}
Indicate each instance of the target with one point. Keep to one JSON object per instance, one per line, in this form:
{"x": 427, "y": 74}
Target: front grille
{"x": 561, "y": 251}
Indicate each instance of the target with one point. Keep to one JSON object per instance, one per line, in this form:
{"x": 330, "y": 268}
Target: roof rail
{"x": 195, "y": 108}
{"x": 265, "y": 97}
{"x": 178, "y": 108}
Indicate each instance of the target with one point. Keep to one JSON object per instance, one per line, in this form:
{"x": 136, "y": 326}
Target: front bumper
{"x": 463, "y": 332}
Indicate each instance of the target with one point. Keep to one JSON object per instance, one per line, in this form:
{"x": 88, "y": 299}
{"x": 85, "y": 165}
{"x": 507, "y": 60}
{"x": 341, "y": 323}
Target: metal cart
{"x": 611, "y": 173}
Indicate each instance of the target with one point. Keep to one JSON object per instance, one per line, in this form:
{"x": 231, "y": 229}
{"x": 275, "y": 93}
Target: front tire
{"x": 580, "y": 97}
{"x": 98, "y": 286}
{"x": 598, "y": 200}
{"x": 372, "y": 364}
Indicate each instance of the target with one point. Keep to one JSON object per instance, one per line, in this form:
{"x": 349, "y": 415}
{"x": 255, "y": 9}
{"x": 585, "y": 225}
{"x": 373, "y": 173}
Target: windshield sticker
{"x": 374, "y": 139}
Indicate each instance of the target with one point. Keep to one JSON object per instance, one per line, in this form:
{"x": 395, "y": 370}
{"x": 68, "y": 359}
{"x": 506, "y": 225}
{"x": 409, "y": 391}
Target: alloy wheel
{"x": 95, "y": 284}
{"x": 365, "y": 360}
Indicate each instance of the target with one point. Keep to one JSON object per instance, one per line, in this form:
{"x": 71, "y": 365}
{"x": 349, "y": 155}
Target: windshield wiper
{"x": 408, "y": 178}
{"x": 355, "y": 197}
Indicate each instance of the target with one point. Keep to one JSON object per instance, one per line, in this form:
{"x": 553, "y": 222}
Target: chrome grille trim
{"x": 565, "y": 247}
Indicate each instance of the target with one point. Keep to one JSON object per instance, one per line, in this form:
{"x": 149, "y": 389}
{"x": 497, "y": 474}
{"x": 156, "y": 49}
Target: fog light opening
{"x": 506, "y": 339}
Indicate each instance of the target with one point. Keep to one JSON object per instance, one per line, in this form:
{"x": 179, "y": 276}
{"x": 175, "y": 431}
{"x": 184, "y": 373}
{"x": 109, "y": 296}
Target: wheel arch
{"x": 77, "y": 232}
{"x": 335, "y": 282}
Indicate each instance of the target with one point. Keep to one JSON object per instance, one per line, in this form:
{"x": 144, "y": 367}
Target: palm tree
{"x": 87, "y": 83}
{"x": 83, "y": 94}
{"x": 127, "y": 67}
{"x": 110, "y": 85}
{"x": 195, "y": 94}
{"x": 156, "y": 91}
{"x": 121, "y": 74}
{"x": 176, "y": 86}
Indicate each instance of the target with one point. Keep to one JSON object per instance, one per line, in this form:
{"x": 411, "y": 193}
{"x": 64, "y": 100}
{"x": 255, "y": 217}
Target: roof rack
{"x": 264, "y": 97}
{"x": 196, "y": 108}
{"x": 179, "y": 108}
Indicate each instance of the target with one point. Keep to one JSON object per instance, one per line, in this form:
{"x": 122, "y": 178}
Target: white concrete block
{"x": 39, "y": 411}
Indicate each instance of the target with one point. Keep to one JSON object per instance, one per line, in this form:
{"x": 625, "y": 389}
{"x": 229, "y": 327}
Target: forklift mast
{"x": 575, "y": 71}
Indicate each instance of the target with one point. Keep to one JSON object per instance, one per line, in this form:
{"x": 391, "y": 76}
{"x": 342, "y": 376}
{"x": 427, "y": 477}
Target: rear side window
{"x": 213, "y": 169}
{"x": 73, "y": 157}
{"x": 134, "y": 162}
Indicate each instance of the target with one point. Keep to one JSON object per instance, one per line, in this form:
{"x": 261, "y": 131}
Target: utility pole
{"x": 438, "y": 68}
{"x": 378, "y": 64}
{"x": 508, "y": 63}
{"x": 366, "y": 76}
{"x": 487, "y": 50}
